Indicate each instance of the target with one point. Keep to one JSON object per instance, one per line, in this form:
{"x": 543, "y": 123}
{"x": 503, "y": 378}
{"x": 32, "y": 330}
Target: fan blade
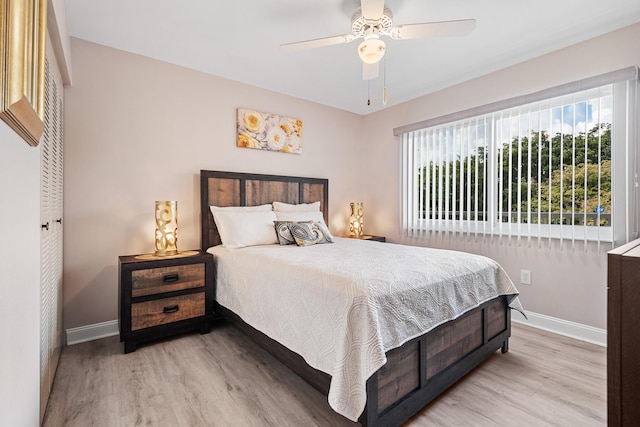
{"x": 372, "y": 9}
{"x": 370, "y": 71}
{"x": 311, "y": 44}
{"x": 433, "y": 29}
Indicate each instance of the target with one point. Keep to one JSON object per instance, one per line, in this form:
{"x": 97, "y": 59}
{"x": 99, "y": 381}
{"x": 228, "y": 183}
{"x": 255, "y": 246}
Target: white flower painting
{"x": 266, "y": 131}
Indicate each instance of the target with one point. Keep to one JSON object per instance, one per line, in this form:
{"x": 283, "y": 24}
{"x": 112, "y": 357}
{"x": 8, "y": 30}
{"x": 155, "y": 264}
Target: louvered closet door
{"x": 51, "y": 185}
{"x": 56, "y": 214}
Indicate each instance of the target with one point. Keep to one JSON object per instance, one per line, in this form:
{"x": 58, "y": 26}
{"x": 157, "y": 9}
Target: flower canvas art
{"x": 265, "y": 131}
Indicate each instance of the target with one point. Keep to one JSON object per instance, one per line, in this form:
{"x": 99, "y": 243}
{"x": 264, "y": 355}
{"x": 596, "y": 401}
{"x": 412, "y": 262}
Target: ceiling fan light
{"x": 372, "y": 50}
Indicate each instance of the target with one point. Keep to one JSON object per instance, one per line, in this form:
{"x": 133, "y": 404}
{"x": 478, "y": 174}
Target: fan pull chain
{"x": 384, "y": 82}
{"x": 369, "y": 92}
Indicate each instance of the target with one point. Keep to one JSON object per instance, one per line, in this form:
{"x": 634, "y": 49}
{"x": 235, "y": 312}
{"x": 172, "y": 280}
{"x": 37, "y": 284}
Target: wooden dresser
{"x": 160, "y": 297}
{"x": 623, "y": 335}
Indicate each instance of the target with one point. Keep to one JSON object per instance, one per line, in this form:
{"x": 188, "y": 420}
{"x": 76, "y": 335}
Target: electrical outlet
{"x": 525, "y": 277}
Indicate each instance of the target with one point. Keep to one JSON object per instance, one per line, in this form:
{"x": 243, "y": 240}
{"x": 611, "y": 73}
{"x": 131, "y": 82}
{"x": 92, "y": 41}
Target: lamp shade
{"x": 166, "y": 228}
{"x": 371, "y": 50}
{"x": 356, "y": 219}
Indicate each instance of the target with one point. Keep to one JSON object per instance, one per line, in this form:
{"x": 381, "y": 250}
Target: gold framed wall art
{"x": 23, "y": 30}
{"x": 270, "y": 132}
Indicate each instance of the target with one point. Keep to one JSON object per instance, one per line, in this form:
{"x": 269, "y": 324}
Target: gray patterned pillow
{"x": 283, "y": 232}
{"x": 310, "y": 233}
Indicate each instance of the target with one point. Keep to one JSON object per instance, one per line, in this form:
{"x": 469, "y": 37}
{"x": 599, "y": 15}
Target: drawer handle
{"x": 170, "y": 278}
{"x": 171, "y": 309}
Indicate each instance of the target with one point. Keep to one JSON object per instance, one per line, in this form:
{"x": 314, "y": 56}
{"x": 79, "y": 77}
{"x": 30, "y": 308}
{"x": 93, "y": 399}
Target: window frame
{"x": 624, "y": 181}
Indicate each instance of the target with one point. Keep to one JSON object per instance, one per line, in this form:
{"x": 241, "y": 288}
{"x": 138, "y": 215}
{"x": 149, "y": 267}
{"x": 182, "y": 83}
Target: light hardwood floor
{"x": 223, "y": 379}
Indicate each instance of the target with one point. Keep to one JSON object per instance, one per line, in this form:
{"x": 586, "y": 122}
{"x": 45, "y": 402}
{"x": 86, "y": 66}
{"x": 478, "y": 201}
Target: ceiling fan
{"x": 373, "y": 20}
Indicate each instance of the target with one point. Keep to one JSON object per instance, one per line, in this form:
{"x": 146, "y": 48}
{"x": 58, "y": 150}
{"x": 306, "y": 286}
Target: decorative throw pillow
{"x": 300, "y": 207}
{"x": 284, "y": 233}
{"x": 310, "y": 233}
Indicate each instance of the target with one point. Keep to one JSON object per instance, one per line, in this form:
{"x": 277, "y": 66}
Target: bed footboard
{"x": 423, "y": 368}
{"x": 415, "y": 373}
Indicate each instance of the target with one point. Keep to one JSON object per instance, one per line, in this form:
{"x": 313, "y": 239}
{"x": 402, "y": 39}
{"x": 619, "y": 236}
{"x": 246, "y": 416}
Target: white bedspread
{"x": 341, "y": 306}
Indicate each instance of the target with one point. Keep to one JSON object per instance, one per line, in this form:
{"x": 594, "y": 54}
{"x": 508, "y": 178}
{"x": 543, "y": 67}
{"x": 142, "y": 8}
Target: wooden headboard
{"x": 246, "y": 189}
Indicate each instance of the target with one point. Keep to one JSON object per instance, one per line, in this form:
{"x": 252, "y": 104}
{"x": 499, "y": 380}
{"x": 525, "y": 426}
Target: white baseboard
{"x": 540, "y": 321}
{"x": 92, "y": 332}
{"x": 562, "y": 327}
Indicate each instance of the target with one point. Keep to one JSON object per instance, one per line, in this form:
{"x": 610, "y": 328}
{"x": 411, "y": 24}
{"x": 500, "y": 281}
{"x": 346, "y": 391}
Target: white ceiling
{"x": 239, "y": 40}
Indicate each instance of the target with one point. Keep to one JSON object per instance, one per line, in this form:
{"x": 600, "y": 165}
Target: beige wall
{"x": 567, "y": 284}
{"x": 19, "y": 280}
{"x": 139, "y": 130}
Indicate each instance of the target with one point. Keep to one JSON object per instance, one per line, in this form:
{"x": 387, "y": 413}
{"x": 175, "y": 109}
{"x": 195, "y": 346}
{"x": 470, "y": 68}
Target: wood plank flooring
{"x": 224, "y": 379}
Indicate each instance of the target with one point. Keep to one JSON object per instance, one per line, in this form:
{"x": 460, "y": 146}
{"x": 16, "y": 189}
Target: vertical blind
{"x": 557, "y": 164}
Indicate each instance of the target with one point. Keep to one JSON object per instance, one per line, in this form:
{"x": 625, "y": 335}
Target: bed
{"x": 400, "y": 381}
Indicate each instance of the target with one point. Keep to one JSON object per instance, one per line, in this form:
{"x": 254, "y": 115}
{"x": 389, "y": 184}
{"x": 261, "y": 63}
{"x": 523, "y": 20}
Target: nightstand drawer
{"x": 166, "y": 310}
{"x": 167, "y": 279}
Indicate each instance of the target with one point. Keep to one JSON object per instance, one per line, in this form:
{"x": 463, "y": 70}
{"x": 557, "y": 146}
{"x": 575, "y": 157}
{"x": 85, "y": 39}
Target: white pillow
{"x": 240, "y": 208}
{"x": 301, "y": 207}
{"x": 245, "y": 228}
{"x": 300, "y": 216}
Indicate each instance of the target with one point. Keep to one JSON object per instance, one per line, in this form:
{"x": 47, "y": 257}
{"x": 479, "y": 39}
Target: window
{"x": 555, "y": 164}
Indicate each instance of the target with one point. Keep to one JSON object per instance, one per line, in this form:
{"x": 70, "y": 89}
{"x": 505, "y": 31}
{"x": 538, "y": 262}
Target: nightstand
{"x": 164, "y": 296}
{"x": 372, "y": 238}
